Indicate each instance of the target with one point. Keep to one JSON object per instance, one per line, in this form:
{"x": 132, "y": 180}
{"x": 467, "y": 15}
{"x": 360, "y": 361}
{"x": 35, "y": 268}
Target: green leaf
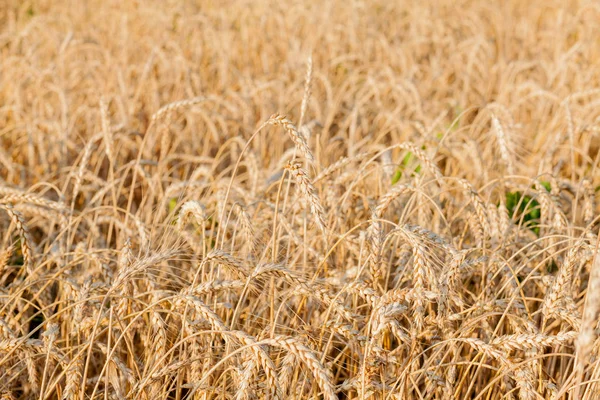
{"x": 526, "y": 208}
{"x": 546, "y": 185}
{"x": 172, "y": 205}
{"x": 397, "y": 176}
{"x": 408, "y": 158}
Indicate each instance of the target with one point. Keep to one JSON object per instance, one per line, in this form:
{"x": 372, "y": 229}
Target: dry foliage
{"x": 294, "y": 200}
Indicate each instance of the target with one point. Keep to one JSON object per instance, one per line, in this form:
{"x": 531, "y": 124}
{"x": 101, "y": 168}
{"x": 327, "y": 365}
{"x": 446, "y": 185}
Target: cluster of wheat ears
{"x": 299, "y": 200}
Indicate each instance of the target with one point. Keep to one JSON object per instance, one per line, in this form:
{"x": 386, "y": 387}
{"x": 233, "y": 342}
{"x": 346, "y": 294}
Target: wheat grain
{"x": 307, "y": 90}
{"x": 234, "y": 264}
{"x": 308, "y": 357}
{"x": 503, "y": 144}
{"x": 308, "y": 190}
{"x": 106, "y": 131}
{"x": 294, "y": 134}
{"x": 586, "y": 336}
{"x": 74, "y": 375}
{"x": 26, "y": 240}
{"x": 193, "y": 208}
{"x": 531, "y": 341}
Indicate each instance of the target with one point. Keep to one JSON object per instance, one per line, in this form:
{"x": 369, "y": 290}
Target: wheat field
{"x": 299, "y": 199}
